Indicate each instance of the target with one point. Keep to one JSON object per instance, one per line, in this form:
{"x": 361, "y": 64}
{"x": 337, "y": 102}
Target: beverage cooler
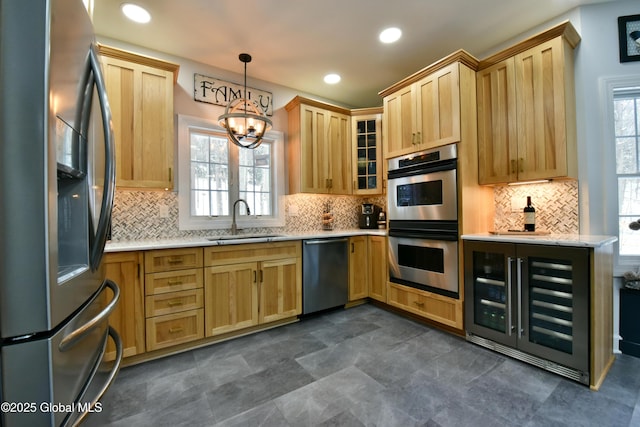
{"x": 530, "y": 302}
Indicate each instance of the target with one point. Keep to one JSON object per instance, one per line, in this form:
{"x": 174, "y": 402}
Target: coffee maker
{"x": 369, "y": 216}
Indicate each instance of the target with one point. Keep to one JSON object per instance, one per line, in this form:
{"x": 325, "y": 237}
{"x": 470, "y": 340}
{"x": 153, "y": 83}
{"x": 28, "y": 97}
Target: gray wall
{"x": 598, "y": 58}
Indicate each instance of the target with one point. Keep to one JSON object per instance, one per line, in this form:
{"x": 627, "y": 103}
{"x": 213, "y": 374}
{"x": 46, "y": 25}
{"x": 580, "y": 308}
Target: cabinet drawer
{"x": 173, "y": 302}
{"x": 172, "y": 281}
{"x": 172, "y": 259}
{"x": 447, "y": 311}
{"x": 251, "y": 252}
{"x": 172, "y": 329}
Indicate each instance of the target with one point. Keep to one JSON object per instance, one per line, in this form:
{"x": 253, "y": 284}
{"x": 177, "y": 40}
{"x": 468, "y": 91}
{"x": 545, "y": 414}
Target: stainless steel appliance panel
{"x": 423, "y": 263}
{"x": 51, "y": 246}
{"x": 423, "y": 186}
{"x": 325, "y": 274}
{"x": 58, "y": 369}
{"x": 57, "y": 179}
{"x": 532, "y": 299}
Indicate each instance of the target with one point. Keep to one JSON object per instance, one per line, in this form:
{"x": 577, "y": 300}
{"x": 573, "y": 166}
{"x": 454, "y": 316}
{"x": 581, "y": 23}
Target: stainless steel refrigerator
{"x": 57, "y": 182}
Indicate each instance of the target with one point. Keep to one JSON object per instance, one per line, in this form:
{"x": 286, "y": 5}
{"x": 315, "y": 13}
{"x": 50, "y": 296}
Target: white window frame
{"x": 608, "y": 86}
{"x": 188, "y": 222}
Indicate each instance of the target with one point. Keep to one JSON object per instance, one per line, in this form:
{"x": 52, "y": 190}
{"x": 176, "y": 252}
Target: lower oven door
{"x": 426, "y": 264}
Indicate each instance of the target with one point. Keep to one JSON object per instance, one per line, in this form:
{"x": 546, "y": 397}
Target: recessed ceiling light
{"x": 390, "y": 35}
{"x": 331, "y": 79}
{"x": 135, "y": 13}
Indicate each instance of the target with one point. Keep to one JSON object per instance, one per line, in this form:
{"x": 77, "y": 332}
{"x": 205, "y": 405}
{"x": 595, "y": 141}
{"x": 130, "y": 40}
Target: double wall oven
{"x": 422, "y": 209}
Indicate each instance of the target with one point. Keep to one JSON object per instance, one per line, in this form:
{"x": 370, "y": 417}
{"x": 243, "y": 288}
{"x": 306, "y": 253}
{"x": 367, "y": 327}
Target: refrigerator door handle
{"x": 110, "y": 170}
{"x": 508, "y": 297}
{"x": 77, "y": 334}
{"x": 519, "y": 282}
{"x": 112, "y": 376}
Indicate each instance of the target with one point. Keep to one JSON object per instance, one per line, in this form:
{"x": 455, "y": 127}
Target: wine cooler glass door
{"x": 555, "y": 304}
{"x": 489, "y": 273}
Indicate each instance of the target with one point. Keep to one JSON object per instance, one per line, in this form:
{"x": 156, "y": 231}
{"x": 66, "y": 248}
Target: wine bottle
{"x": 529, "y": 216}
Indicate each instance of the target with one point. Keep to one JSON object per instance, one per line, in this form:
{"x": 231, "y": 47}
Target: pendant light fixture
{"x": 245, "y": 123}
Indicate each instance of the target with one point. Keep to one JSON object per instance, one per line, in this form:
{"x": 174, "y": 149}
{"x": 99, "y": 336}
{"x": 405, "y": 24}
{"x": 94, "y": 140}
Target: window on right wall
{"x": 626, "y": 109}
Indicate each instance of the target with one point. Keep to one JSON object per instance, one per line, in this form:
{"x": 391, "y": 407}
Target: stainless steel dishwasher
{"x": 325, "y": 274}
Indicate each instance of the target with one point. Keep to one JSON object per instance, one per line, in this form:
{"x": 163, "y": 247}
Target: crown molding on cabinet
{"x": 126, "y": 55}
{"x": 564, "y": 29}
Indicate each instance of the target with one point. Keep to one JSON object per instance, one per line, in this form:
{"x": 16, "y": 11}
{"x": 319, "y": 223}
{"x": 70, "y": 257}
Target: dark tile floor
{"x": 361, "y": 366}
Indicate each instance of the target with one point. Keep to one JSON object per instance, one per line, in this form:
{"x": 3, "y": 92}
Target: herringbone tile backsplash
{"x": 556, "y": 205}
{"x": 136, "y": 214}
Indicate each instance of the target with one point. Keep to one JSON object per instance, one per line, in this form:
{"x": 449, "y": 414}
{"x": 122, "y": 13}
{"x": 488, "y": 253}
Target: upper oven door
{"x": 424, "y": 196}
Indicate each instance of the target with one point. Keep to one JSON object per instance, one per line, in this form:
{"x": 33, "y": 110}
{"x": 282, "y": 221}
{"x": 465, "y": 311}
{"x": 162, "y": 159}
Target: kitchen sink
{"x": 243, "y": 237}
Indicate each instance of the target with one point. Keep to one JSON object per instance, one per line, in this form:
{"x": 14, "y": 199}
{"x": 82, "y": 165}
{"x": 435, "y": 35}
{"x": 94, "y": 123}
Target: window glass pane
{"x": 626, "y": 125}
{"x": 209, "y": 174}
{"x": 629, "y": 196}
{"x": 200, "y": 203}
{"x": 219, "y": 203}
{"x": 199, "y": 176}
{"x": 626, "y": 155}
{"x": 629, "y": 239}
{"x": 199, "y": 147}
{"x": 624, "y": 117}
{"x": 219, "y": 150}
{"x": 219, "y": 177}
{"x": 255, "y": 178}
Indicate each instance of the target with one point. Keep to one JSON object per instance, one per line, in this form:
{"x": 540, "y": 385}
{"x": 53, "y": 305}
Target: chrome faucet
{"x": 234, "y": 226}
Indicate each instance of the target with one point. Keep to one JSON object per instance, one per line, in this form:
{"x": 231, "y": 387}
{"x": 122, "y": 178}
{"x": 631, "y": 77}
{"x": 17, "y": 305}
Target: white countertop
{"x": 185, "y": 242}
{"x": 576, "y": 240}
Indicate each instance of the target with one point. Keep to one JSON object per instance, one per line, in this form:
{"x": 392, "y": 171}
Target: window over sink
{"x": 213, "y": 174}
{"x": 626, "y": 107}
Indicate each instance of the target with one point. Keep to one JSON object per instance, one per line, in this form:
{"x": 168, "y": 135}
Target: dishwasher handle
{"x": 324, "y": 241}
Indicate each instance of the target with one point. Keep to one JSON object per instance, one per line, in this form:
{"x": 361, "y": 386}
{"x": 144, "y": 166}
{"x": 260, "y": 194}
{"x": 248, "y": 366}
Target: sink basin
{"x": 243, "y": 237}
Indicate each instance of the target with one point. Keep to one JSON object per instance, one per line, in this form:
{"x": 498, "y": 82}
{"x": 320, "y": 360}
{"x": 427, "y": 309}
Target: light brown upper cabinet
{"x": 140, "y": 91}
{"x": 367, "y": 162}
{"x": 526, "y": 110}
{"x": 319, "y": 147}
{"x": 423, "y": 114}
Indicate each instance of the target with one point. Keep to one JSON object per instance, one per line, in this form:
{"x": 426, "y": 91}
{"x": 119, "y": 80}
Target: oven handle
{"x": 434, "y": 235}
{"x": 445, "y": 165}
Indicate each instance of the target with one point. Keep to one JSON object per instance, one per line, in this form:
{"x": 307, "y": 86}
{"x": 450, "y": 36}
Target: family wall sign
{"x": 219, "y": 92}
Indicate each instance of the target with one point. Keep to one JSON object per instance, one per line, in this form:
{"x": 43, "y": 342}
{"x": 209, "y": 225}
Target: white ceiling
{"x": 294, "y": 43}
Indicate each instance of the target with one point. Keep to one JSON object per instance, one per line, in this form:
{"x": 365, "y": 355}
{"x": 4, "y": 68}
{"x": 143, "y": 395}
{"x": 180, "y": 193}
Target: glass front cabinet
{"x": 530, "y": 300}
{"x": 367, "y": 153}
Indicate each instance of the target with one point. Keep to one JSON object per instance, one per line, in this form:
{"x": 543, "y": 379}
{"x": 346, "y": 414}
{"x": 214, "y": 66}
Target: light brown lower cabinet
{"x": 172, "y": 329}
{"x": 378, "y": 268}
{"x": 252, "y": 284}
{"x": 368, "y": 268}
{"x": 174, "y": 303}
{"x": 441, "y": 309}
{"x": 358, "y": 267}
{"x": 280, "y": 289}
{"x": 232, "y": 297}
{"x": 124, "y": 268}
